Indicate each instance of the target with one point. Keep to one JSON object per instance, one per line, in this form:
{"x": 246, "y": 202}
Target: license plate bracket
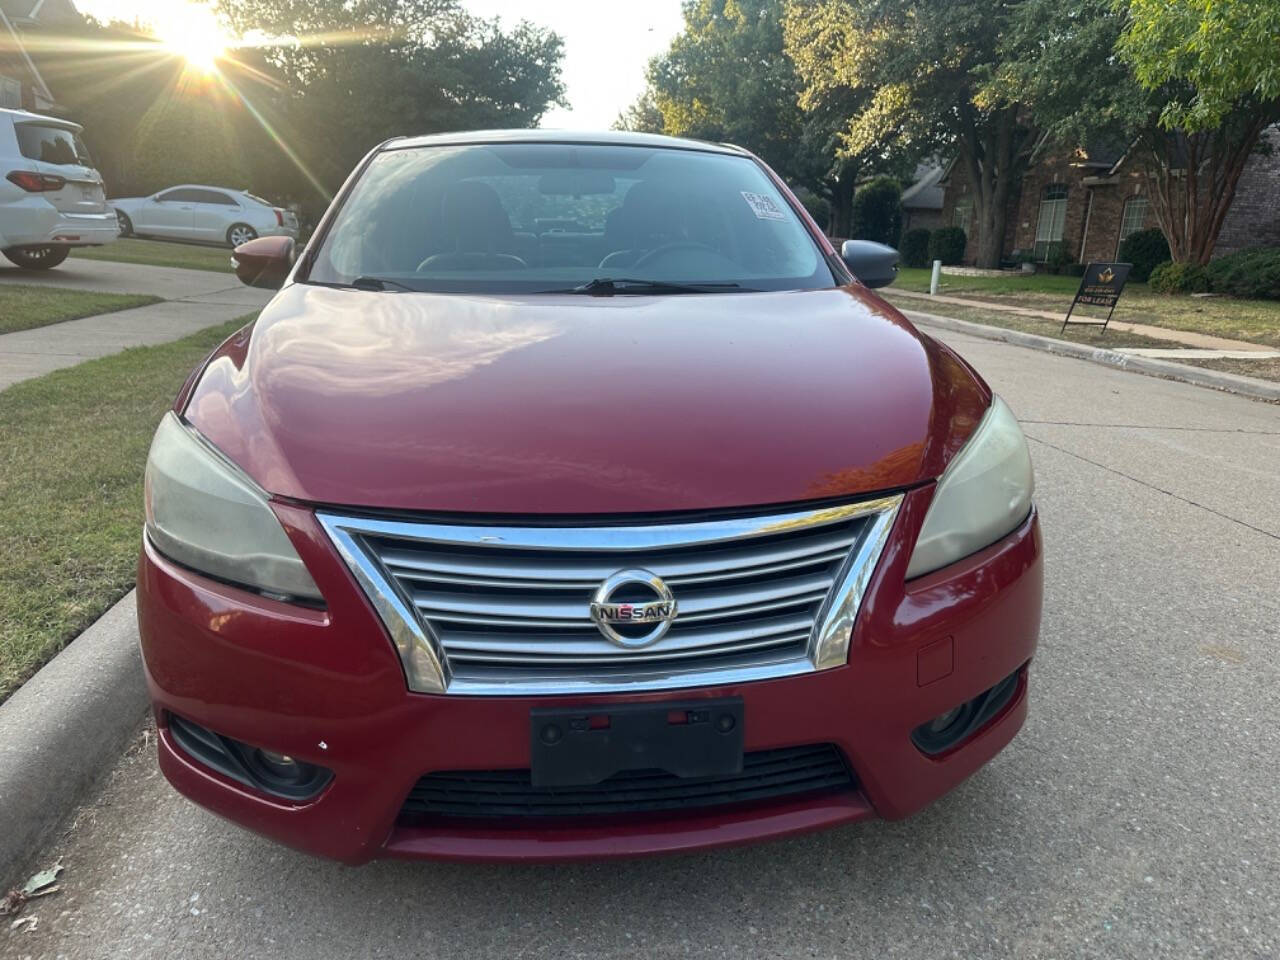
{"x": 586, "y": 745}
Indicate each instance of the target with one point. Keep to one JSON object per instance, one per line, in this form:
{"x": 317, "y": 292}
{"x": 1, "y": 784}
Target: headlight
{"x": 207, "y": 515}
{"x": 984, "y": 493}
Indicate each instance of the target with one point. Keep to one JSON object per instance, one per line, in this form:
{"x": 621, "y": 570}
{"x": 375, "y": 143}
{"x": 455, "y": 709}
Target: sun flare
{"x": 191, "y": 31}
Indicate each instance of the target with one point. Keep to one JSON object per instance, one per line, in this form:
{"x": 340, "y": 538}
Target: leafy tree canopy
{"x": 923, "y": 75}
{"x": 341, "y": 76}
{"x": 728, "y": 76}
{"x": 1222, "y": 53}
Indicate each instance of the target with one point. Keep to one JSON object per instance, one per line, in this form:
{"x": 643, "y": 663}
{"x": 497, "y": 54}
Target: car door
{"x": 169, "y": 213}
{"x": 213, "y": 214}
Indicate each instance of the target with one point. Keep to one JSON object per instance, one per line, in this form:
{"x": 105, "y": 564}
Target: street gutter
{"x": 63, "y": 729}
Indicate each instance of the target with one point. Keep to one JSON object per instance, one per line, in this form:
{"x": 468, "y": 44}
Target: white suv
{"x": 51, "y": 197}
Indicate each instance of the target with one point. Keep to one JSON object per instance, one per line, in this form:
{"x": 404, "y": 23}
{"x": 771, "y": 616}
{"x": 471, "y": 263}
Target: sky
{"x": 607, "y": 45}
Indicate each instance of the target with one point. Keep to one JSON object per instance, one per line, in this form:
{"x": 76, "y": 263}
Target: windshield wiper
{"x": 373, "y": 284}
{"x": 608, "y": 286}
{"x": 380, "y": 283}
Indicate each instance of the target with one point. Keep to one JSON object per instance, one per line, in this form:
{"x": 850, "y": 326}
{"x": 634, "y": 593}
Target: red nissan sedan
{"x": 574, "y": 498}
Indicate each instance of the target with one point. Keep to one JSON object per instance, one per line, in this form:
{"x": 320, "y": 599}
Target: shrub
{"x": 1179, "y": 278}
{"x": 877, "y": 211}
{"x": 947, "y": 244}
{"x": 817, "y": 207}
{"x": 915, "y": 247}
{"x": 1145, "y": 249}
{"x": 1252, "y": 274}
{"x": 1057, "y": 259}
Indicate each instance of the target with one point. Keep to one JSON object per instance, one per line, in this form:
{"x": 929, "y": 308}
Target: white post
{"x": 937, "y": 275}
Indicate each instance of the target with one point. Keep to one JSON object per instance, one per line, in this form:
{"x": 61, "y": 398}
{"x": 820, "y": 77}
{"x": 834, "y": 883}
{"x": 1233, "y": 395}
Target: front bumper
{"x": 326, "y": 686}
{"x": 33, "y": 221}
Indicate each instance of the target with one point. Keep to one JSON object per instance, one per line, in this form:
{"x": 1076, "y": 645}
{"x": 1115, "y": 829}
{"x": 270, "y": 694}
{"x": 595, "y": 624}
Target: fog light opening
{"x": 950, "y": 728}
{"x": 267, "y": 771}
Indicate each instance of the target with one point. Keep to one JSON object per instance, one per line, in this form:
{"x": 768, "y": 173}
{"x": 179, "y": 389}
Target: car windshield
{"x": 544, "y": 217}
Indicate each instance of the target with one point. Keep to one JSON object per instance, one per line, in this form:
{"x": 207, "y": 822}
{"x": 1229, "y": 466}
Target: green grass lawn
{"x": 160, "y": 253}
{"x": 1092, "y": 336}
{"x": 1257, "y": 321}
{"x": 24, "y": 307}
{"x": 73, "y": 445}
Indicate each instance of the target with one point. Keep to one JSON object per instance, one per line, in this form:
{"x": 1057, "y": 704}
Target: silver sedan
{"x": 204, "y": 215}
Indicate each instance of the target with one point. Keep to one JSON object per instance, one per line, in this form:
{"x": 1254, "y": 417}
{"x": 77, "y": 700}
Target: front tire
{"x": 240, "y": 233}
{"x": 126, "y": 225}
{"x": 36, "y": 258}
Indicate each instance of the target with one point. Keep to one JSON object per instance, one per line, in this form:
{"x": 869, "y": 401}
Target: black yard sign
{"x": 1099, "y": 287}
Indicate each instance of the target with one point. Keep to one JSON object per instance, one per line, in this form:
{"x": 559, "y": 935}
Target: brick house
{"x": 922, "y": 200}
{"x": 1086, "y": 202}
{"x": 21, "y": 86}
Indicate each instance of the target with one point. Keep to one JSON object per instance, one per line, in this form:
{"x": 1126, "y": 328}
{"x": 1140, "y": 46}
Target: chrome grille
{"x": 489, "y": 609}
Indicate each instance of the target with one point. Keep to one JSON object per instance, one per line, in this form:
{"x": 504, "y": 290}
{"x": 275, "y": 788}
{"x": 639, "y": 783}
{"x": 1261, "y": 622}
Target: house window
{"x": 1052, "y": 222}
{"x": 10, "y": 93}
{"x": 1135, "y": 211}
{"x": 962, "y": 213}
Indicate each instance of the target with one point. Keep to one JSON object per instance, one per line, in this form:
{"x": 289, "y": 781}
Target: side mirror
{"x": 873, "y": 263}
{"x": 264, "y": 262}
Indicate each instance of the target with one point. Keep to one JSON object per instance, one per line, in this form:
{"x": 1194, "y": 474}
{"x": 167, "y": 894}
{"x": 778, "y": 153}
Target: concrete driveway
{"x": 193, "y": 300}
{"x": 1135, "y": 816}
{"x": 170, "y": 283}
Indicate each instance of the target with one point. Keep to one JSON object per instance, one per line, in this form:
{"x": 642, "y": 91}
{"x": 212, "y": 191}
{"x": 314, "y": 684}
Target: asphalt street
{"x": 1136, "y": 815}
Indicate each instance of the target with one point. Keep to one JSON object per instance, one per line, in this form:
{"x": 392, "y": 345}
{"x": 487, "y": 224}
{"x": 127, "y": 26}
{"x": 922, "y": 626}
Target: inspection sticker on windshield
{"x": 762, "y": 206}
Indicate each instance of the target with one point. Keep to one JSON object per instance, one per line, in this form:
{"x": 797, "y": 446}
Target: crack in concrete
{"x": 1144, "y": 426}
{"x": 1152, "y": 486}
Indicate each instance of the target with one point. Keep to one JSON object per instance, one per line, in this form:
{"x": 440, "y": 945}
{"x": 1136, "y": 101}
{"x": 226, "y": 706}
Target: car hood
{"x": 577, "y": 404}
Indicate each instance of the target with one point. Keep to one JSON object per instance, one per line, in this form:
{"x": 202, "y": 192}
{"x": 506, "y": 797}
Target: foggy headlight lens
{"x": 206, "y": 514}
{"x": 984, "y": 493}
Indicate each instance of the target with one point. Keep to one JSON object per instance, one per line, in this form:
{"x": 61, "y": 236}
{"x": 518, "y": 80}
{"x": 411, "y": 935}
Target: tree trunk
{"x": 1191, "y": 180}
{"x": 992, "y": 160}
{"x": 841, "y": 201}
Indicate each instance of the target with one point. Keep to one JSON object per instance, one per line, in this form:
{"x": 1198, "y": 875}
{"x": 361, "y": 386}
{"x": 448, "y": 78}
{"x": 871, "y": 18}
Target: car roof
{"x": 622, "y": 138}
{"x": 28, "y": 116}
{"x": 200, "y": 186}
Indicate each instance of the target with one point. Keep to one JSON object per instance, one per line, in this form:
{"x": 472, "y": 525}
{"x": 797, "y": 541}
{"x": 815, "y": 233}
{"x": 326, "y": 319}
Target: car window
{"x": 257, "y": 199}
{"x": 541, "y": 217}
{"x": 49, "y": 144}
{"x": 214, "y": 196}
{"x": 181, "y": 195}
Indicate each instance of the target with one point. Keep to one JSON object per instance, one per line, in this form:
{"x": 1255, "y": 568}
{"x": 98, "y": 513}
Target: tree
{"x": 149, "y": 123}
{"x": 340, "y": 76}
{"x": 643, "y": 116}
{"x": 877, "y": 211}
{"x": 290, "y": 114}
{"x": 728, "y": 77}
{"x": 1185, "y": 86}
{"x": 1212, "y": 72}
{"x": 921, "y": 72}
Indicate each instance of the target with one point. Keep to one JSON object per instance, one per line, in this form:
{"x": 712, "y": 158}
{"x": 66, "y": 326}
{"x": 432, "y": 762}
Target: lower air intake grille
{"x": 766, "y": 775}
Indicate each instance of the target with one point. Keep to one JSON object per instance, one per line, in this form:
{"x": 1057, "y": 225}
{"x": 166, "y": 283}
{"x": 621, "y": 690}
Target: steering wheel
{"x": 672, "y": 247}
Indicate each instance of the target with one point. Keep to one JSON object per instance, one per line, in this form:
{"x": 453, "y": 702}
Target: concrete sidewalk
{"x": 1187, "y": 338}
{"x": 194, "y": 299}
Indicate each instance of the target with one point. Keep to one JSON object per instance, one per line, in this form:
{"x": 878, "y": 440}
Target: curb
{"x": 1201, "y": 377}
{"x": 64, "y": 727}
